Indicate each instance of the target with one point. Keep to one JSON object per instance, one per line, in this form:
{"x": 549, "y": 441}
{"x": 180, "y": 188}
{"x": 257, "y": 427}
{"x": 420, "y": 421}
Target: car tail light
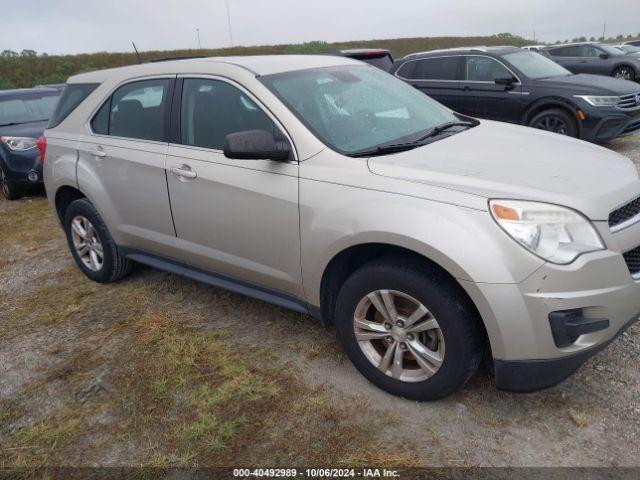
{"x": 42, "y": 146}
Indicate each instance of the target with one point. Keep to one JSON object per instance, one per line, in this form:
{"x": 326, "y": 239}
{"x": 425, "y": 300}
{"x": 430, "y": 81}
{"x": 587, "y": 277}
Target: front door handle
{"x": 183, "y": 171}
{"x": 98, "y": 152}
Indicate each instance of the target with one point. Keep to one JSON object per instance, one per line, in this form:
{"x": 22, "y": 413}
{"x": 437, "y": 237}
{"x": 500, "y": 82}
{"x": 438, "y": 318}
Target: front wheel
{"x": 624, "y": 72}
{"x": 10, "y": 190}
{"x": 555, "y": 120}
{"x": 408, "y": 329}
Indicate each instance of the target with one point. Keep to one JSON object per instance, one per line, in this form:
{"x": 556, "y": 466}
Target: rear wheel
{"x": 10, "y": 190}
{"x": 624, "y": 72}
{"x": 555, "y": 120}
{"x": 91, "y": 245}
{"x": 408, "y": 329}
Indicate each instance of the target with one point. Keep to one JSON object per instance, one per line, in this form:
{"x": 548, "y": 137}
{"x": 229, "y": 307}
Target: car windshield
{"x": 27, "y": 108}
{"x": 357, "y": 108}
{"x": 609, "y": 50}
{"x": 534, "y": 65}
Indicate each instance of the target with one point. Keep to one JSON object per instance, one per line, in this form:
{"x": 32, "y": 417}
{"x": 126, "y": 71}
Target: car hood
{"x": 31, "y": 129}
{"x": 498, "y": 160}
{"x": 593, "y": 83}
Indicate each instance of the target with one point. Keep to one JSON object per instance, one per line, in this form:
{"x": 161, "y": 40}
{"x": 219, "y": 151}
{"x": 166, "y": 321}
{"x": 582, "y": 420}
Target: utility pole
{"x": 198, "y": 34}
{"x": 534, "y": 34}
{"x": 229, "y": 22}
{"x": 604, "y": 31}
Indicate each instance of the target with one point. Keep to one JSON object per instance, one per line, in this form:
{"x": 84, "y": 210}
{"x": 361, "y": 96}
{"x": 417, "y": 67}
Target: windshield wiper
{"x": 401, "y": 147}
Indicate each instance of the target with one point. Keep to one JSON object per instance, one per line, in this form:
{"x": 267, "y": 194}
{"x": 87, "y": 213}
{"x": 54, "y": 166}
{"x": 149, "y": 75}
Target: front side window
{"x": 484, "y": 69}
{"x": 534, "y": 65}
{"x": 357, "y": 107}
{"x": 136, "y": 110}
{"x": 212, "y": 109}
{"x": 591, "y": 51}
{"x": 33, "y": 107}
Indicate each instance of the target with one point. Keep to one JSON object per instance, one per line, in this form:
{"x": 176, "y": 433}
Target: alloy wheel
{"x": 552, "y": 123}
{"x": 87, "y": 243}
{"x": 399, "y": 335}
{"x": 4, "y": 185}
{"x": 624, "y": 73}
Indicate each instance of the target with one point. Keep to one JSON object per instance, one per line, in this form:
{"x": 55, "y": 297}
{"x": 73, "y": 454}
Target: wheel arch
{"x": 64, "y": 196}
{"x": 551, "y": 103}
{"x": 628, "y": 65}
{"x": 350, "y": 259}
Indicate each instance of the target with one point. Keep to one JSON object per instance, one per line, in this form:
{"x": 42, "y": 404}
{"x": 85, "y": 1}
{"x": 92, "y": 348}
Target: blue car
{"x": 24, "y": 115}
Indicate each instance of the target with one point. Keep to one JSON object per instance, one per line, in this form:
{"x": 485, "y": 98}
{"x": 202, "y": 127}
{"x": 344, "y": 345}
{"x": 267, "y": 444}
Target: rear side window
{"x": 72, "y": 96}
{"x": 442, "y": 68}
{"x": 212, "y": 109}
{"x": 135, "y": 110}
{"x": 565, "y": 52}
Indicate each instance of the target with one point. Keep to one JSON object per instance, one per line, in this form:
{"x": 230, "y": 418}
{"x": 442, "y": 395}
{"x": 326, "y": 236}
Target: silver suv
{"x": 329, "y": 187}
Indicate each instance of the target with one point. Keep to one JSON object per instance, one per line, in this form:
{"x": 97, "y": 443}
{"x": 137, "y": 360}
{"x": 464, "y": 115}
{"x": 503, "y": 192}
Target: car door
{"x": 122, "y": 164}
{"x": 437, "y": 77}
{"x": 484, "y": 97}
{"x": 237, "y": 218}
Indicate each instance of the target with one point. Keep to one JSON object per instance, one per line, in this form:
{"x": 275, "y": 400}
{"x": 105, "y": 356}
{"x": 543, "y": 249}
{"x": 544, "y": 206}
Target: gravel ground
{"x": 592, "y": 419}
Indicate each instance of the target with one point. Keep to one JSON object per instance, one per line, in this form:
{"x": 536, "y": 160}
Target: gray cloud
{"x": 75, "y": 26}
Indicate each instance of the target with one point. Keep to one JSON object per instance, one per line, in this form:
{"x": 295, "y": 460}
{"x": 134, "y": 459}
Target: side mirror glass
{"x": 255, "y": 145}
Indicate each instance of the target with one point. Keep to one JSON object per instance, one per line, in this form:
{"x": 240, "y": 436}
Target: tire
{"x": 10, "y": 190}
{"x": 555, "y": 120}
{"x": 624, "y": 72}
{"x": 113, "y": 266}
{"x": 458, "y": 329}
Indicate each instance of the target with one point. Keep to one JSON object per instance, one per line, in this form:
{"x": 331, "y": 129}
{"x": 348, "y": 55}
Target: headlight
{"x": 20, "y": 143}
{"x": 599, "y": 101}
{"x": 556, "y": 234}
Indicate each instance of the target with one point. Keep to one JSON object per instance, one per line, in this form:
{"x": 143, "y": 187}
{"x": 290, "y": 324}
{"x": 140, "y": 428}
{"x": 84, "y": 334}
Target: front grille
{"x": 625, "y": 214}
{"x": 632, "y": 258}
{"x": 629, "y": 102}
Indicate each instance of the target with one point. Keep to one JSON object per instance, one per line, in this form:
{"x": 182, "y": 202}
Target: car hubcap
{"x": 554, "y": 124}
{"x": 87, "y": 243}
{"x": 399, "y": 335}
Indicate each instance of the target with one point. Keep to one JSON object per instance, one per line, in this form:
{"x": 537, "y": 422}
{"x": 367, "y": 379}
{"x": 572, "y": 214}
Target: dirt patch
{"x": 160, "y": 370}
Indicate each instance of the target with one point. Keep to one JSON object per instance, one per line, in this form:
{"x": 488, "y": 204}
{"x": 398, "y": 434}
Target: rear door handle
{"x": 183, "y": 171}
{"x": 98, "y": 152}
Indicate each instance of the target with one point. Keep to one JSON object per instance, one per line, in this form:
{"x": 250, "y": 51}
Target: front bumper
{"x": 527, "y": 355}
{"x": 23, "y": 168}
{"x": 605, "y": 124}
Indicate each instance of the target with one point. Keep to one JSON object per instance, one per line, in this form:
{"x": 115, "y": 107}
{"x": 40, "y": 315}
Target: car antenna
{"x": 137, "y": 53}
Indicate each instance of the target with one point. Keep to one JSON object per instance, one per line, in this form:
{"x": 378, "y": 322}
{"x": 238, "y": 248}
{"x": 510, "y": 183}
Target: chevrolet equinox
{"x": 327, "y": 186}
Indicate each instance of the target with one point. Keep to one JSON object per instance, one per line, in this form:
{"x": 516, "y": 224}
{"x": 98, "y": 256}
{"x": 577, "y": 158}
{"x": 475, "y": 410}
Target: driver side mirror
{"x": 506, "y": 81}
{"x": 255, "y": 145}
{"x": 603, "y": 56}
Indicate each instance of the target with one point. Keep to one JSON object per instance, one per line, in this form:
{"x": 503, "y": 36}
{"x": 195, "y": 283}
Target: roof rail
{"x": 168, "y": 59}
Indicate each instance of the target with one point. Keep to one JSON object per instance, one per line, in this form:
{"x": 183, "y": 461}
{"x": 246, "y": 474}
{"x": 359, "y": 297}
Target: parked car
{"x": 534, "y": 48}
{"x": 378, "y": 57}
{"x": 24, "y": 115}
{"x": 517, "y": 86}
{"x": 596, "y": 58}
{"x": 630, "y": 49}
{"x": 635, "y": 43}
{"x": 332, "y": 188}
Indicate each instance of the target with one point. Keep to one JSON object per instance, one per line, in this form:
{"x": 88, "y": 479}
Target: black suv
{"x": 596, "y": 58}
{"x": 24, "y": 115}
{"x": 518, "y": 86}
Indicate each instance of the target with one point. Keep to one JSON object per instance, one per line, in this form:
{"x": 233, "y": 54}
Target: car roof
{"x": 17, "y": 92}
{"x": 258, "y": 65}
{"x": 482, "y": 49}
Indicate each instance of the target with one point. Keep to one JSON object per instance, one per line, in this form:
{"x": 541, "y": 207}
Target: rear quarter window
{"x": 72, "y": 96}
{"x": 437, "y": 68}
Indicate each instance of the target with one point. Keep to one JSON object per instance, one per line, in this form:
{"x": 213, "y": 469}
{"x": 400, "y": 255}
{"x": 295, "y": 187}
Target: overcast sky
{"x": 76, "y": 26}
